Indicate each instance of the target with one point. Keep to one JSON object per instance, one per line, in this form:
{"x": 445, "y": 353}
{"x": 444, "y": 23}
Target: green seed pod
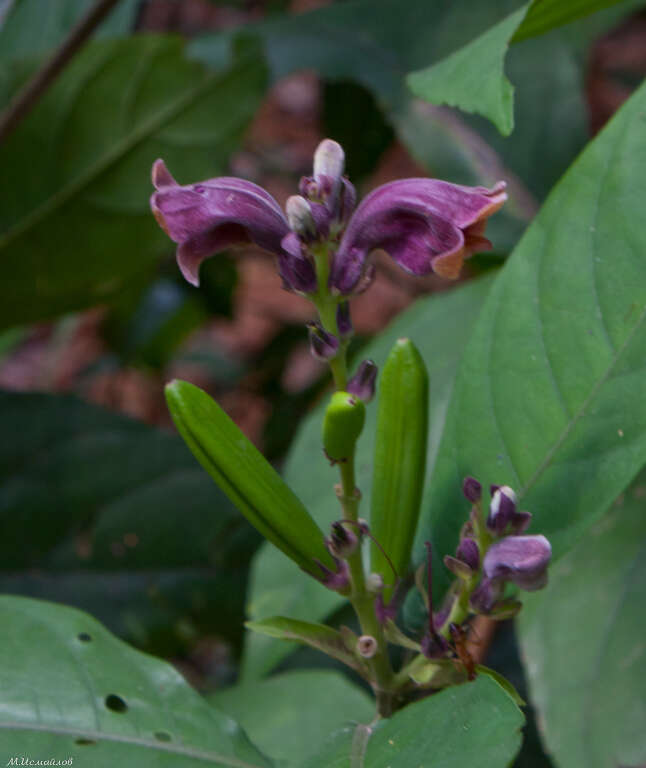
{"x": 400, "y": 459}
{"x": 342, "y": 425}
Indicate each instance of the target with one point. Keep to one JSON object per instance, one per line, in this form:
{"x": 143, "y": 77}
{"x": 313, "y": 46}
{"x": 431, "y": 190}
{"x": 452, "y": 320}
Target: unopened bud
{"x": 342, "y": 542}
{"x": 367, "y": 646}
{"x": 468, "y": 553}
{"x": 343, "y": 320}
{"x": 323, "y": 345}
{"x": 300, "y": 218}
{"x": 329, "y": 160}
{"x": 472, "y": 489}
{"x": 374, "y": 583}
{"x": 502, "y": 508}
{"x": 363, "y": 383}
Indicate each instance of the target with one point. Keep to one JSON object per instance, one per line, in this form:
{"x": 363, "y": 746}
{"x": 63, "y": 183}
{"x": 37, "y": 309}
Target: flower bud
{"x": 520, "y": 522}
{"x": 342, "y": 542}
{"x": 523, "y": 560}
{"x": 329, "y": 160}
{"x": 323, "y": 345}
{"x": 484, "y": 596}
{"x": 363, "y": 383}
{"x": 468, "y": 553}
{"x": 374, "y": 583}
{"x": 343, "y": 320}
{"x": 472, "y": 489}
{"x": 339, "y": 579}
{"x": 300, "y": 218}
{"x": 367, "y": 646}
{"x": 501, "y": 509}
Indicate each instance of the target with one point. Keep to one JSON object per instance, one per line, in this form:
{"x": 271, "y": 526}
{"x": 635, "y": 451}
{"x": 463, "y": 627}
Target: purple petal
{"x": 523, "y": 560}
{"x": 425, "y": 225}
{"x": 295, "y": 267}
{"x": 214, "y": 214}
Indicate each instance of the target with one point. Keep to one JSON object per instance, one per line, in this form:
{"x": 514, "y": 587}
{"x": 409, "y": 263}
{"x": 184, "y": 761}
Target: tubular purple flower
{"x": 425, "y": 225}
{"x": 523, "y": 560}
{"x": 213, "y": 215}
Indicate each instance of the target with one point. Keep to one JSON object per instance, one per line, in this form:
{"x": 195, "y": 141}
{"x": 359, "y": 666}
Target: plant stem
{"x": 27, "y": 97}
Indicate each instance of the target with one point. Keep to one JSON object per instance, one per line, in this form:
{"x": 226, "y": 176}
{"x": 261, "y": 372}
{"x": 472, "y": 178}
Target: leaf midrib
{"x": 214, "y": 757}
{"x": 119, "y": 150}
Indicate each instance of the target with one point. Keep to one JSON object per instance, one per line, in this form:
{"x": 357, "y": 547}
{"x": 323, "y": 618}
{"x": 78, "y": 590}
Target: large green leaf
{"x": 72, "y": 690}
{"x": 286, "y": 714}
{"x": 549, "y": 396}
{"x": 277, "y": 587}
{"x": 75, "y": 224}
{"x": 583, "y": 638}
{"x": 108, "y": 514}
{"x": 473, "y": 77}
{"x": 472, "y": 724}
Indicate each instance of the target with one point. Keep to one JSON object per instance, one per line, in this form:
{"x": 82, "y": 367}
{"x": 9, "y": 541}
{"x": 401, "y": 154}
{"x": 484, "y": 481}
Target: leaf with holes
{"x": 550, "y": 394}
{"x": 75, "y": 224}
{"x": 476, "y": 723}
{"x": 587, "y": 658}
{"x": 97, "y": 700}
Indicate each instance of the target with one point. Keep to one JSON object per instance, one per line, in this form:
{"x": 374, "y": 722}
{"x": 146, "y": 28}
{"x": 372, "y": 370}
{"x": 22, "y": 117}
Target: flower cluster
{"x": 425, "y": 225}
{"x": 510, "y": 556}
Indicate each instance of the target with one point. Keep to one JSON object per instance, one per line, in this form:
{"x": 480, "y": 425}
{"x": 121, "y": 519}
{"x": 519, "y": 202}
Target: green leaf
{"x": 583, "y": 637}
{"x": 33, "y": 28}
{"x": 285, "y": 715}
{"x": 247, "y": 478}
{"x": 72, "y": 690}
{"x": 276, "y": 586}
{"x": 318, "y": 636}
{"x": 400, "y": 461}
{"x": 75, "y": 223}
{"x": 115, "y": 517}
{"x": 549, "y": 396}
{"x": 472, "y": 724}
{"x": 472, "y": 77}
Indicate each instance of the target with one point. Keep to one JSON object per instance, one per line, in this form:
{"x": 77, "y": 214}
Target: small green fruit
{"x": 342, "y": 425}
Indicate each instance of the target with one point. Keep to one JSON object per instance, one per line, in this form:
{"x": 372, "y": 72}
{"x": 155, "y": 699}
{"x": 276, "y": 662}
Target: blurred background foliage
{"x": 102, "y": 507}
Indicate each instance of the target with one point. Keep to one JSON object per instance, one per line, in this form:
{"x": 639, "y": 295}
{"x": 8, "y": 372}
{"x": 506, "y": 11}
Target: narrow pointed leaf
{"x": 71, "y": 690}
{"x": 318, "y": 636}
{"x": 400, "y": 460}
{"x": 246, "y": 477}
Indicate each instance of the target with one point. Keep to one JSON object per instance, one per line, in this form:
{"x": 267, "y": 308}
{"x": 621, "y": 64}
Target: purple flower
{"x": 425, "y": 225}
{"x": 523, "y": 560}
